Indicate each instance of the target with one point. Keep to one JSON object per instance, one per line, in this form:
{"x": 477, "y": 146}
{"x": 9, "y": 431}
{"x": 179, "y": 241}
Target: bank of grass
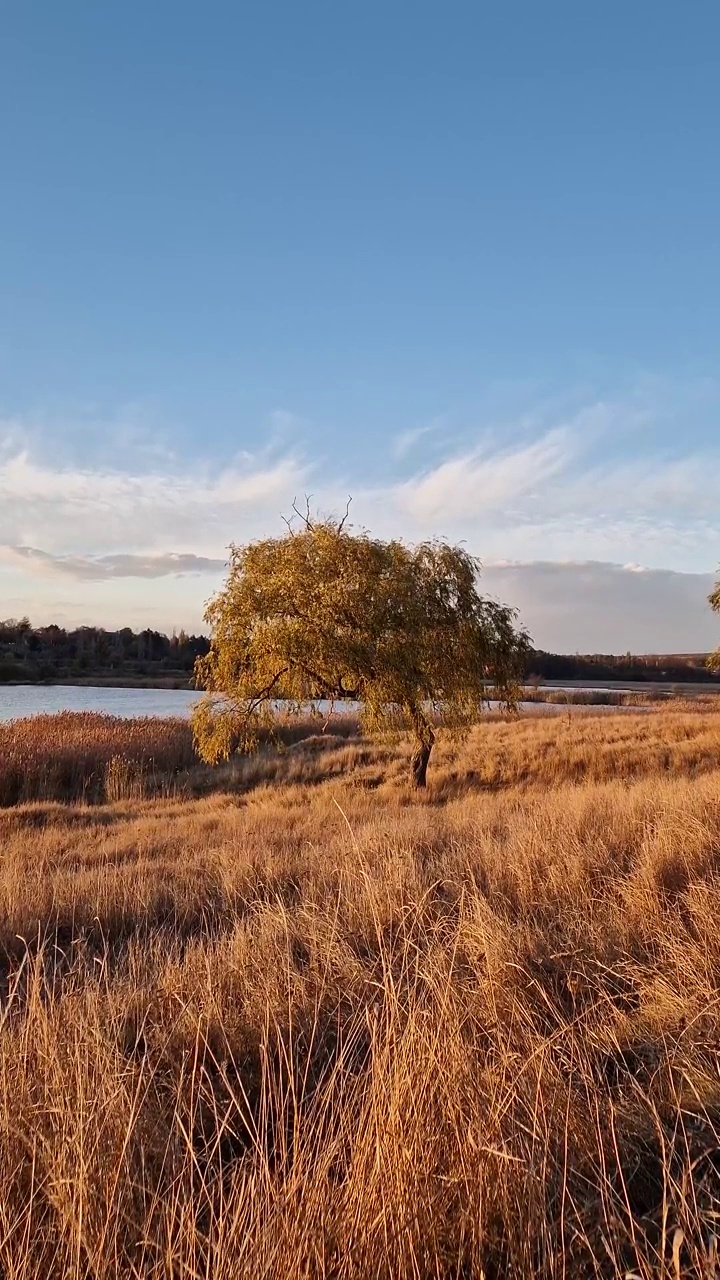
{"x": 309, "y": 1023}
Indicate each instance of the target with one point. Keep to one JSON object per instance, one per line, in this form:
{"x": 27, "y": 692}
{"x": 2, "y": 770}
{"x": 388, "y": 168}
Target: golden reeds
{"x": 70, "y": 756}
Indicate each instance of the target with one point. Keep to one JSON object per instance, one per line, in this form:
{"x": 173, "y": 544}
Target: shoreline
{"x": 104, "y": 682}
{"x": 619, "y": 686}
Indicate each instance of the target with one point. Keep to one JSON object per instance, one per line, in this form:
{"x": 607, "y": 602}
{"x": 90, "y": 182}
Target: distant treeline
{"x": 32, "y": 654}
{"x": 675, "y": 668}
{"x": 52, "y": 653}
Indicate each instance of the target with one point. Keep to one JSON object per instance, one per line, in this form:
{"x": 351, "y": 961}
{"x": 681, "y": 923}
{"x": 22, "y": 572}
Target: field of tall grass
{"x": 292, "y": 1019}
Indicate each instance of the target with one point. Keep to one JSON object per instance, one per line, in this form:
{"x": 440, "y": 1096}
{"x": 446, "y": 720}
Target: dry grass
{"x": 97, "y": 758}
{"x": 341, "y": 1030}
{"x": 83, "y": 756}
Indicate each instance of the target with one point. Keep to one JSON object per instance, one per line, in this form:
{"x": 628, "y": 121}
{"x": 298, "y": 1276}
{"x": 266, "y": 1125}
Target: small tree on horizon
{"x": 324, "y": 613}
{"x": 714, "y": 599}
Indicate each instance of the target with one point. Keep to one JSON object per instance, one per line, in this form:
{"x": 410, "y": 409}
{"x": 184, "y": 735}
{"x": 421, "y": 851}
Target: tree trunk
{"x": 419, "y": 763}
{"x": 424, "y": 738}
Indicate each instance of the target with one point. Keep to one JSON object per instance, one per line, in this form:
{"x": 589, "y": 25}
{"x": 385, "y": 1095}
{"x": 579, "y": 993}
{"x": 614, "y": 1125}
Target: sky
{"x": 457, "y": 261}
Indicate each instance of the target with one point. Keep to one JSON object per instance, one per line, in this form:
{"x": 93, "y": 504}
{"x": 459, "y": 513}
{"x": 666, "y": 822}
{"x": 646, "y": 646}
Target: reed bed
{"x": 93, "y": 758}
{"x": 649, "y": 694}
{"x": 595, "y": 697}
{"x": 313, "y": 1025}
{"x": 84, "y": 756}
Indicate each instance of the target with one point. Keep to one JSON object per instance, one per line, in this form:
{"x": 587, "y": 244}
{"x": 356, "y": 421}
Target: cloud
{"x": 576, "y": 606}
{"x": 639, "y": 517}
{"x": 485, "y": 482}
{"x": 525, "y": 489}
{"x": 594, "y": 607}
{"x": 84, "y": 510}
{"x": 406, "y": 441}
{"x": 282, "y": 420}
{"x": 102, "y": 568}
{"x": 583, "y": 485}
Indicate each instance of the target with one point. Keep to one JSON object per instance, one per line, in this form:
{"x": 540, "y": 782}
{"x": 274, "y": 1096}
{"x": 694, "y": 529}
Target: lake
{"x": 23, "y": 700}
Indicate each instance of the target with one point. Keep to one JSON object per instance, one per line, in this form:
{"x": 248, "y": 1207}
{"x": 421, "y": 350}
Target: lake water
{"x": 20, "y": 701}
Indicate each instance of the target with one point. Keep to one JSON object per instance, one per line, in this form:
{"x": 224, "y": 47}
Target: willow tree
{"x": 715, "y": 604}
{"x": 324, "y": 613}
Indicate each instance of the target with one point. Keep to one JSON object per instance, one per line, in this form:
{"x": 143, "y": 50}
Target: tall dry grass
{"x": 94, "y": 758}
{"x": 85, "y": 756}
{"x": 315, "y": 1025}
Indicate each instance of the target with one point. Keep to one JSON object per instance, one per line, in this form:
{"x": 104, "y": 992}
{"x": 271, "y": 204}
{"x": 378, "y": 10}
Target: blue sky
{"x": 461, "y": 261}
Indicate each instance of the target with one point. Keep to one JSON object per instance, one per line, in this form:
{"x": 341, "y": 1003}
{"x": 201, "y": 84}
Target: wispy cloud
{"x": 285, "y": 422}
{"x": 574, "y": 486}
{"x": 484, "y": 481}
{"x": 82, "y": 510}
{"x": 529, "y": 490}
{"x": 595, "y": 484}
{"x": 407, "y": 441}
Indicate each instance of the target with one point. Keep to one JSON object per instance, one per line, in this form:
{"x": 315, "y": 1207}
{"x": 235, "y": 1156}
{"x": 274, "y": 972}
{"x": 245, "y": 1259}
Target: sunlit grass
{"x": 305, "y": 1022}
{"x": 85, "y": 756}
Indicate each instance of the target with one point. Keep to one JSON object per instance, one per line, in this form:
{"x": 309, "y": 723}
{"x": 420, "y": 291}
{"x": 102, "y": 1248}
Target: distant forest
{"x": 676, "y": 668}
{"x": 35, "y": 654}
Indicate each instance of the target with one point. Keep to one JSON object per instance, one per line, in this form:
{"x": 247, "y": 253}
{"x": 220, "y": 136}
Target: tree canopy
{"x": 324, "y": 613}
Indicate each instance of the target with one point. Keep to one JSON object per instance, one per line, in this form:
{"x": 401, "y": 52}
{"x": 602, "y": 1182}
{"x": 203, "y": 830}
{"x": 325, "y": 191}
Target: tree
{"x": 323, "y": 613}
{"x": 714, "y": 599}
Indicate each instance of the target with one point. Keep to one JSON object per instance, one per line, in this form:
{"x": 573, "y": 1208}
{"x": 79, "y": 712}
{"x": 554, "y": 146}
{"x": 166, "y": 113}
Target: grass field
{"x": 291, "y": 1019}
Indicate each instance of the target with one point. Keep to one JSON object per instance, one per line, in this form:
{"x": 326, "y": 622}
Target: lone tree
{"x": 714, "y": 599}
{"x": 324, "y": 613}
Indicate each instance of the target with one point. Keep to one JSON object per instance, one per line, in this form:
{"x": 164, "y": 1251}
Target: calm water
{"x": 22, "y": 700}
{"x": 19, "y": 701}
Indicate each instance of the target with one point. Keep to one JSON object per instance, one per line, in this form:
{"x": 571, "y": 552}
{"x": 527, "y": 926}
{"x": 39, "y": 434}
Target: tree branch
{"x": 328, "y": 688}
{"x": 304, "y": 516}
{"x": 265, "y": 693}
{"x": 342, "y": 523}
